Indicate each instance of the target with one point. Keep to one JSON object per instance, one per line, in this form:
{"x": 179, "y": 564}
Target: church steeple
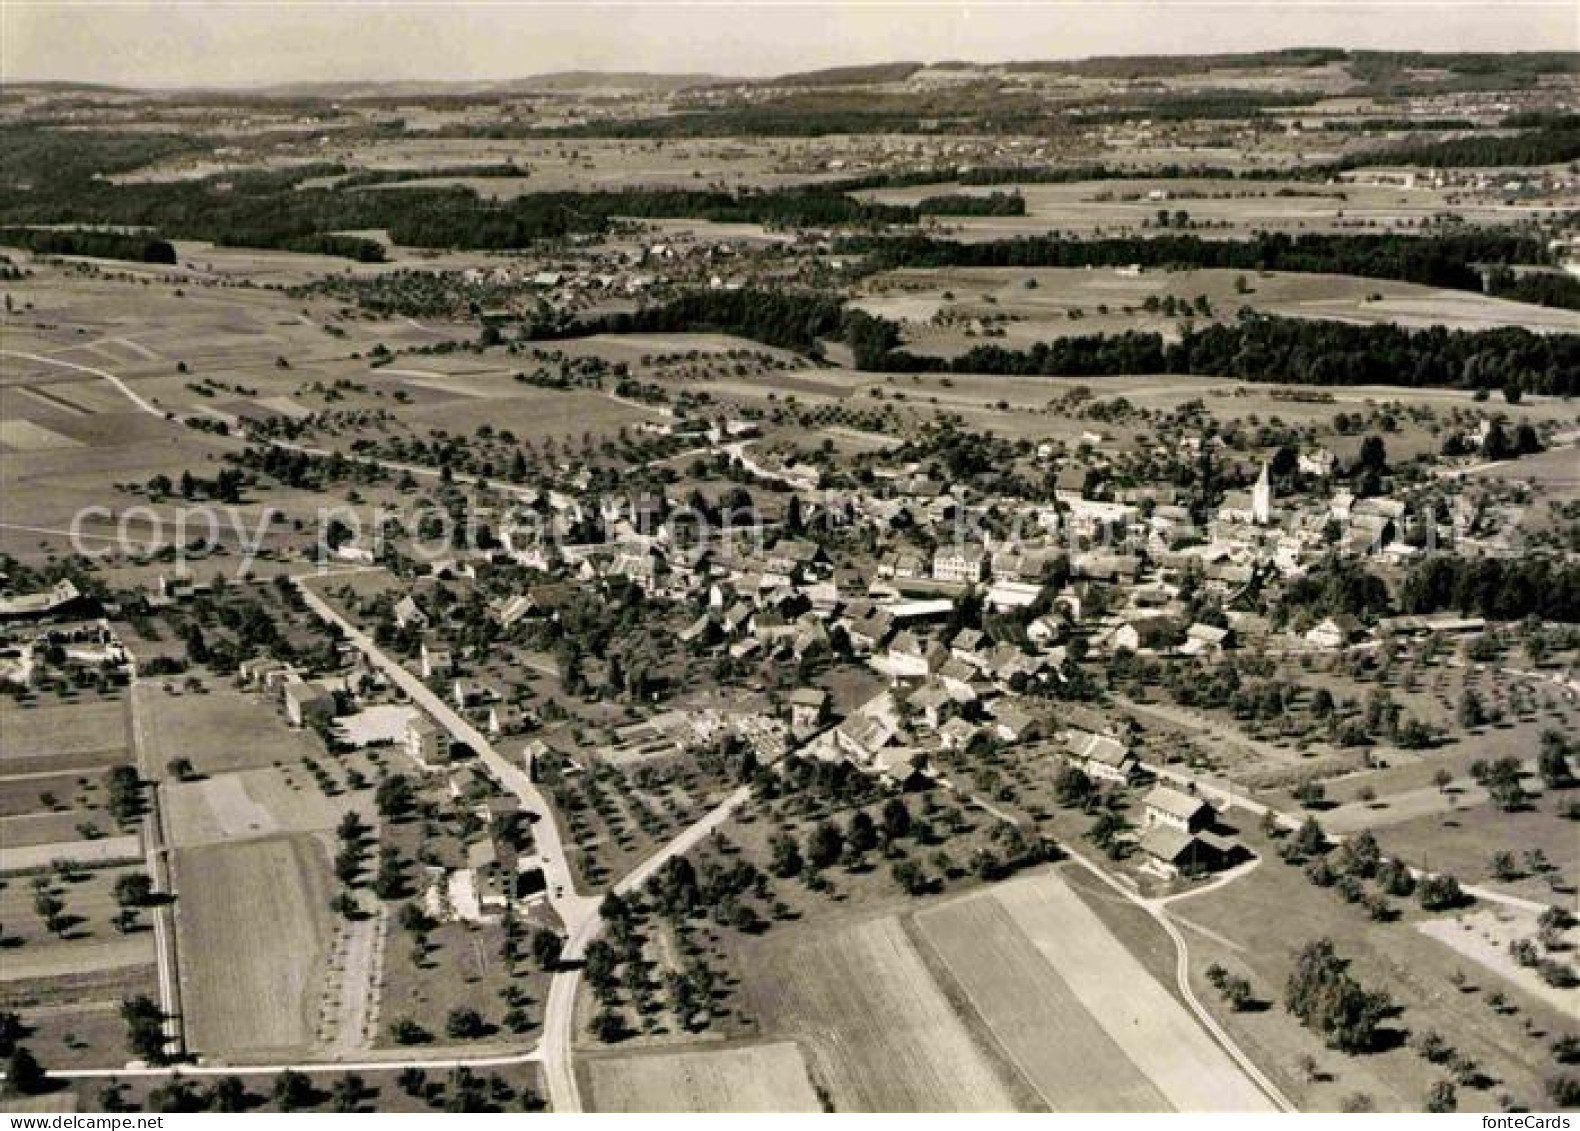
{"x": 1262, "y": 497}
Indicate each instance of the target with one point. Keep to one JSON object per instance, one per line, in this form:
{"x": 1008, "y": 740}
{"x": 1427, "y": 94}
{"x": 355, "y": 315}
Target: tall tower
{"x": 1262, "y": 498}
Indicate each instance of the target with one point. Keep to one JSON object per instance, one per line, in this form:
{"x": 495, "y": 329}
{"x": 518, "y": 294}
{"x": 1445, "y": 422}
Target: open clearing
{"x": 219, "y": 730}
{"x": 754, "y": 1078}
{"x": 882, "y": 1036}
{"x": 253, "y": 920}
{"x": 1484, "y": 938}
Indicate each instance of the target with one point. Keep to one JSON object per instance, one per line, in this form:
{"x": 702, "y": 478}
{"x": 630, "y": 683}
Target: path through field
{"x": 350, "y": 1013}
{"x": 1157, "y": 1033}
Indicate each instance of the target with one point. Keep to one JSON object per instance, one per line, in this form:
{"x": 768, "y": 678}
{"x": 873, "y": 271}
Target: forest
{"x": 131, "y": 246}
{"x": 1307, "y": 352}
{"x": 1254, "y": 348}
{"x": 1447, "y": 260}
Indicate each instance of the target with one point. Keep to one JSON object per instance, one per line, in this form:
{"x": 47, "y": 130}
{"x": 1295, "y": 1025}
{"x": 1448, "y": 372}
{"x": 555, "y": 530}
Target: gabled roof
{"x": 1097, "y": 748}
{"x": 1166, "y": 843}
{"x": 1174, "y": 803}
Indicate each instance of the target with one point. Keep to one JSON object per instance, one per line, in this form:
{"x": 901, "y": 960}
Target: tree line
{"x": 1286, "y": 351}
{"x": 1450, "y": 260}
{"x": 134, "y": 247}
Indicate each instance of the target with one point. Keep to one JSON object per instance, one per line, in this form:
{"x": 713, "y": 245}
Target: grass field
{"x": 253, "y": 920}
{"x": 745, "y": 1078}
{"x": 44, "y": 736}
{"x": 220, "y": 730}
{"x": 1032, "y": 1012}
{"x": 938, "y": 306}
{"x": 1256, "y": 925}
{"x": 880, "y": 1033}
{"x": 1230, "y": 207}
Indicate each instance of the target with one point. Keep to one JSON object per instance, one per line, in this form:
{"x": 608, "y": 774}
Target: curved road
{"x": 1156, "y": 909}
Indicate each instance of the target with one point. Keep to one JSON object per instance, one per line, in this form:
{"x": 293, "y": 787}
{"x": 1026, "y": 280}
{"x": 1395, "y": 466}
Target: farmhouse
{"x": 1174, "y": 852}
{"x": 1171, "y": 809}
{"x": 307, "y": 703}
{"x": 1099, "y": 756}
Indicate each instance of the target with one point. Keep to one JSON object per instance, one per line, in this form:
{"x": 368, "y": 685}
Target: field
{"x": 881, "y": 1035}
{"x": 42, "y": 737}
{"x": 1032, "y": 1011}
{"x": 1255, "y": 926}
{"x": 1047, "y": 975}
{"x": 742, "y": 1078}
{"x": 253, "y": 922}
{"x": 942, "y": 310}
{"x": 220, "y": 730}
{"x": 1222, "y": 207}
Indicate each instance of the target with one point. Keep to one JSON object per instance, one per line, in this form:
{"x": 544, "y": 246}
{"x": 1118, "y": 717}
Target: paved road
{"x": 1157, "y": 909}
{"x": 571, "y": 906}
{"x": 158, "y": 856}
{"x": 135, "y": 397}
{"x": 559, "y": 1016}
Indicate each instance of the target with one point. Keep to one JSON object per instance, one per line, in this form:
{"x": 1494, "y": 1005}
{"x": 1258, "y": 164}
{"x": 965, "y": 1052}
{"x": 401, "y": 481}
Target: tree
{"x": 861, "y": 833}
{"x": 1470, "y": 713}
{"x": 293, "y": 1091}
{"x": 408, "y": 1032}
{"x": 1553, "y": 761}
{"x": 546, "y": 947}
{"x": 1321, "y": 992}
{"x": 786, "y": 860}
{"x": 1563, "y": 1089}
{"x": 1071, "y": 786}
{"x": 181, "y": 769}
{"x": 133, "y": 889}
{"x": 345, "y": 1095}
{"x": 896, "y": 818}
{"x": 1441, "y": 1098}
{"x": 1309, "y": 840}
{"x": 24, "y": 1075}
{"x": 465, "y": 1024}
{"x": 394, "y": 796}
{"x": 607, "y": 1026}
{"x": 823, "y": 845}
{"x": 908, "y": 874}
{"x": 145, "y": 1028}
{"x": 1503, "y": 866}
{"x": 229, "y": 1094}
{"x": 12, "y": 1030}
{"x": 1439, "y": 893}
{"x": 1360, "y": 855}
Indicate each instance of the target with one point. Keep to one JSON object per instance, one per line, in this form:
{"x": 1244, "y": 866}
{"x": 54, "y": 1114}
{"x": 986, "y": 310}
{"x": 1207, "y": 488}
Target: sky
{"x": 241, "y": 43}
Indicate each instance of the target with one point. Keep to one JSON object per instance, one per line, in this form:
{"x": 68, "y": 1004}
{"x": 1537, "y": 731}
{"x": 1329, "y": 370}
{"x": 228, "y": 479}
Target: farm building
{"x": 1099, "y": 756}
{"x": 307, "y": 703}
{"x": 1175, "y": 852}
{"x": 1169, "y": 808}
